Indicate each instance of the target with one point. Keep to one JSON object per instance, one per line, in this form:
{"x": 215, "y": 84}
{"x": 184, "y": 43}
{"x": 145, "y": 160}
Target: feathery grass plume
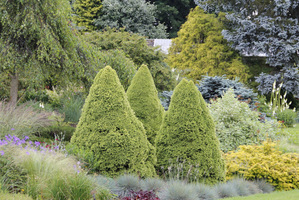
{"x": 225, "y": 190}
{"x": 143, "y": 98}
{"x": 21, "y": 120}
{"x": 205, "y": 192}
{"x": 109, "y": 129}
{"x": 128, "y": 183}
{"x": 178, "y": 190}
{"x": 188, "y": 132}
{"x": 264, "y": 186}
{"x": 152, "y": 184}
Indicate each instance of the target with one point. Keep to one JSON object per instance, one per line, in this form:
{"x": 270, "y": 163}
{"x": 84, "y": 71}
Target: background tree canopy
{"x": 86, "y": 12}
{"x": 36, "y": 41}
{"x": 173, "y": 13}
{"x": 263, "y": 28}
{"x": 136, "y": 48}
{"x": 200, "y": 48}
{"x": 137, "y": 16}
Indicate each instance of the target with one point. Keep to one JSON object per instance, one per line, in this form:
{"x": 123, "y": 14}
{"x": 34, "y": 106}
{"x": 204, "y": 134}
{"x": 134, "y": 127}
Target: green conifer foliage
{"x": 109, "y": 128}
{"x": 143, "y": 98}
{"x": 86, "y": 12}
{"x": 188, "y": 133}
{"x": 200, "y": 49}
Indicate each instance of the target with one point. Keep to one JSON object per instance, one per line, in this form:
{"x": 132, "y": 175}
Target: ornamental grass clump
{"x": 46, "y": 173}
{"x": 128, "y": 183}
{"x": 264, "y": 186}
{"x": 225, "y": 190}
{"x": 109, "y": 129}
{"x": 143, "y": 98}
{"x": 188, "y": 133}
{"x": 21, "y": 120}
{"x": 178, "y": 190}
{"x": 205, "y": 192}
{"x": 152, "y": 184}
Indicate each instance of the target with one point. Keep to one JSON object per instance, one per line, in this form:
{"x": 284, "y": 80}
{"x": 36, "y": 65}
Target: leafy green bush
{"x": 264, "y": 162}
{"x": 237, "y": 124}
{"x": 287, "y": 116}
{"x": 143, "y": 98}
{"x": 109, "y": 129}
{"x": 21, "y": 120}
{"x": 188, "y": 132}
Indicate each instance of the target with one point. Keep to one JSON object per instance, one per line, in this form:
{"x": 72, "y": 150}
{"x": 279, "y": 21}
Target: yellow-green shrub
{"x": 264, "y": 162}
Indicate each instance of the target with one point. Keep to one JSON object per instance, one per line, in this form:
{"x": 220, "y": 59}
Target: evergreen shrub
{"x": 143, "y": 98}
{"x": 236, "y": 124}
{"x": 212, "y": 87}
{"x": 264, "y": 162}
{"x": 188, "y": 132}
{"x": 110, "y": 130}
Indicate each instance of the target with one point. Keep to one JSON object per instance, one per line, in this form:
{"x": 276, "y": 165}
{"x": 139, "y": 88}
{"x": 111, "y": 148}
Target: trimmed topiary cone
{"x": 144, "y": 100}
{"x": 188, "y": 133}
{"x": 109, "y": 128}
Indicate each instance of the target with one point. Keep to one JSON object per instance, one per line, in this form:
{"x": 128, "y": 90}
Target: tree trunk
{"x": 14, "y": 89}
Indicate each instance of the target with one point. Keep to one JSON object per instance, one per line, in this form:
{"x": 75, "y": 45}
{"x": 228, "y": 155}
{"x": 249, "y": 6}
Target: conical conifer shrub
{"x": 144, "y": 100}
{"x": 188, "y": 134}
{"x": 111, "y": 131}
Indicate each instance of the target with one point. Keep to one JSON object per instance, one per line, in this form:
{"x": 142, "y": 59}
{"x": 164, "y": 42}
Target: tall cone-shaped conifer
{"x": 144, "y": 100}
{"x": 109, "y": 128}
{"x": 188, "y": 133}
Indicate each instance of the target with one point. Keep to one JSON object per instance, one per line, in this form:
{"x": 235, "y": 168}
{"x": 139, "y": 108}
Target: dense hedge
{"x": 109, "y": 128}
{"x": 188, "y": 133}
{"x": 143, "y": 98}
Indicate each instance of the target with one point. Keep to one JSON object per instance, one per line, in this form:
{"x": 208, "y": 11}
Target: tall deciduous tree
{"x": 137, "y": 16}
{"x": 173, "y": 13}
{"x": 86, "y": 12}
{"x": 143, "y": 98}
{"x": 36, "y": 42}
{"x": 188, "y": 133}
{"x": 110, "y": 130}
{"x": 200, "y": 49}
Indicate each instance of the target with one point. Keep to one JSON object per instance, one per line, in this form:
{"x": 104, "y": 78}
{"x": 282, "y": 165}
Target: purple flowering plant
{"x": 25, "y": 143}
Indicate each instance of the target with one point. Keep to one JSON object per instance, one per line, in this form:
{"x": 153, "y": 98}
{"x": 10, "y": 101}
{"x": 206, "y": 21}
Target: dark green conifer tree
{"x": 109, "y": 128}
{"x": 188, "y": 133}
{"x": 143, "y": 98}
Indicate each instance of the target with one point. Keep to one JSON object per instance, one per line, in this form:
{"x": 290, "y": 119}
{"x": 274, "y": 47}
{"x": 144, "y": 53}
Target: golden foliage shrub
{"x": 264, "y": 162}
